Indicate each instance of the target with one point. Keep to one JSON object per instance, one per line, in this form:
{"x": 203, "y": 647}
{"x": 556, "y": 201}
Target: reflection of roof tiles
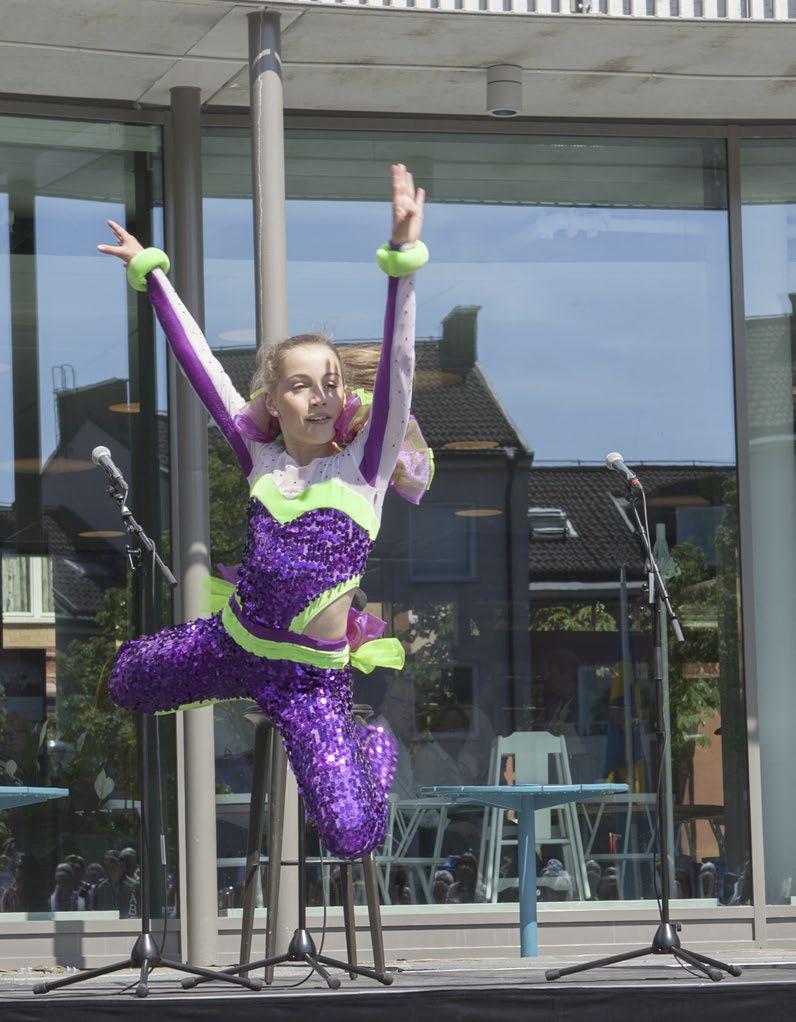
{"x": 449, "y": 407}
{"x": 73, "y": 588}
{"x": 239, "y": 366}
{"x": 454, "y": 412}
{"x": 603, "y": 541}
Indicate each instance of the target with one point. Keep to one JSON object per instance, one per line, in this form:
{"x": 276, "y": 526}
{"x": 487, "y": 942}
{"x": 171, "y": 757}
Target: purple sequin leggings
{"x": 344, "y": 770}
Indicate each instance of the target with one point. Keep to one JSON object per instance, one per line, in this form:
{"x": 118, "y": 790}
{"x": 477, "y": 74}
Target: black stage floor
{"x": 461, "y": 991}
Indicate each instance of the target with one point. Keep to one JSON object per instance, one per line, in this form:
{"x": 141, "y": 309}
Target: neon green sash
{"x": 331, "y": 493}
{"x": 273, "y": 649}
{"x": 378, "y": 653}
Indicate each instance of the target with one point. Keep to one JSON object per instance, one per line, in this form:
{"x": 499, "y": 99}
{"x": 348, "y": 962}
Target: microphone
{"x": 616, "y": 463}
{"x": 102, "y": 456}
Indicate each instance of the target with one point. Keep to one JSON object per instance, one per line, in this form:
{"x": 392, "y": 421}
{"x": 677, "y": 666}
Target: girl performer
{"x": 318, "y": 466}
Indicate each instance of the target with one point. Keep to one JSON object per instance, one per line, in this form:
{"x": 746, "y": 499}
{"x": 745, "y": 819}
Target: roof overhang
{"x": 410, "y": 61}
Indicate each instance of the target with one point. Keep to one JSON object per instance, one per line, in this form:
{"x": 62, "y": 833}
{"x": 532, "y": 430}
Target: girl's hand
{"x": 127, "y": 246}
{"x": 407, "y": 206}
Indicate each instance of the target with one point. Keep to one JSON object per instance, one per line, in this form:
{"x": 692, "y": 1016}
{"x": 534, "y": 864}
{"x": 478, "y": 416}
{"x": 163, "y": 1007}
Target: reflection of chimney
{"x": 458, "y": 349}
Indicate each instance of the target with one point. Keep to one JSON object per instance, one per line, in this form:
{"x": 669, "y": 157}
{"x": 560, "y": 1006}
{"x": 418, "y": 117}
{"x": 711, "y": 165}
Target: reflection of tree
{"x": 102, "y": 735}
{"x": 693, "y": 696}
{"x": 228, "y": 499}
{"x": 573, "y": 617}
{"x": 429, "y": 638}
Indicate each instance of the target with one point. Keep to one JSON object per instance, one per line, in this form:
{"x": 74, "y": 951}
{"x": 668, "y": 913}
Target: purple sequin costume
{"x": 310, "y": 531}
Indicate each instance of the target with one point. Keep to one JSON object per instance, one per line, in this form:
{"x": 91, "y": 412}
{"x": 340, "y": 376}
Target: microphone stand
{"x": 665, "y": 941}
{"x": 142, "y": 556}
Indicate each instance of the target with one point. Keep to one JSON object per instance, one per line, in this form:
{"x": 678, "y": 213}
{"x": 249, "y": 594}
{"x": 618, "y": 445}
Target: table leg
{"x": 526, "y": 867}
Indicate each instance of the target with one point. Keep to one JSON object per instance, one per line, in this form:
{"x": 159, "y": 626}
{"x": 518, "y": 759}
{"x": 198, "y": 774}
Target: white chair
{"x": 539, "y": 758}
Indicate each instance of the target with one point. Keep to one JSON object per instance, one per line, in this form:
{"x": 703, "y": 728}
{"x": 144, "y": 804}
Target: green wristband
{"x": 401, "y": 262}
{"x": 140, "y": 265}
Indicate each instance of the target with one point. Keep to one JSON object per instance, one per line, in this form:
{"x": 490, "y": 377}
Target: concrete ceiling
{"x": 374, "y": 60}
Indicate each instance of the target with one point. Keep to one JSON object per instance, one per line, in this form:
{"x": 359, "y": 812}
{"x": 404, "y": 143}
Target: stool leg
{"x": 349, "y": 921}
{"x": 374, "y": 911}
{"x": 276, "y": 820}
{"x": 255, "y": 837}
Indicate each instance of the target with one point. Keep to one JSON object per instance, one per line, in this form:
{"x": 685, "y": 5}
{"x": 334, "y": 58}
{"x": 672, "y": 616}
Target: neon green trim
{"x": 303, "y": 618}
{"x": 433, "y": 470}
{"x": 378, "y": 653}
{"x": 216, "y": 593}
{"x": 400, "y": 262}
{"x": 256, "y": 393}
{"x": 331, "y": 493}
{"x": 273, "y": 650}
{"x": 140, "y": 265}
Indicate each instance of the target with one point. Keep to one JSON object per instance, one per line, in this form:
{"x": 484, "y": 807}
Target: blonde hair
{"x": 358, "y": 362}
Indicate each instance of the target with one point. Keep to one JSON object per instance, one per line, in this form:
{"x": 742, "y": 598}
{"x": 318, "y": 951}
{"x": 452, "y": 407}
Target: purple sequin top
{"x": 286, "y": 567}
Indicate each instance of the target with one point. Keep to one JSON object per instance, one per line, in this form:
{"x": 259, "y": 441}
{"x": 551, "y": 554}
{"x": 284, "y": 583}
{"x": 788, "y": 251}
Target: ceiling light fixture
{"x": 478, "y": 512}
{"x": 503, "y": 90}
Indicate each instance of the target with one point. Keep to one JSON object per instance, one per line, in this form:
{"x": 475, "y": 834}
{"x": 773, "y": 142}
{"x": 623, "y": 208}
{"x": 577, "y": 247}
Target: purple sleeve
{"x": 202, "y": 369}
{"x": 382, "y": 436}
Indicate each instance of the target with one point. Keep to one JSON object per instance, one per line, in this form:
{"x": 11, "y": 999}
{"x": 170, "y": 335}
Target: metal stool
{"x": 270, "y": 760}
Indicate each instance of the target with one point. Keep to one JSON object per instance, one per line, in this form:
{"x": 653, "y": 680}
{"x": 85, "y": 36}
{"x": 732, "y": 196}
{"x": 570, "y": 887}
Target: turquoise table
{"x": 11, "y": 797}
{"x": 525, "y": 799}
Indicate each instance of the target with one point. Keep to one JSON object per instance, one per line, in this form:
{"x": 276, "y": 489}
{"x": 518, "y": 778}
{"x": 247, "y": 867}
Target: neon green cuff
{"x": 143, "y": 263}
{"x": 400, "y": 262}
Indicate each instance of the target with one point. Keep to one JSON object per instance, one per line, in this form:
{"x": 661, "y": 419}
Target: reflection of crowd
{"x": 111, "y": 885}
{"x": 457, "y": 883}
{"x": 10, "y": 883}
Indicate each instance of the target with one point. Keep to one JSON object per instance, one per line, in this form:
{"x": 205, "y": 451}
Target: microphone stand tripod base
{"x": 664, "y": 942}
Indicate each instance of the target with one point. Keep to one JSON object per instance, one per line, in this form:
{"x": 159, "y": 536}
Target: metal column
{"x": 270, "y": 287}
{"x": 191, "y": 517}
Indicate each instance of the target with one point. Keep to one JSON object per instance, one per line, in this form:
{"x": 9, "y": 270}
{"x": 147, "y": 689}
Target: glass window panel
{"x": 577, "y": 301}
{"x": 77, "y": 370}
{"x": 769, "y": 253}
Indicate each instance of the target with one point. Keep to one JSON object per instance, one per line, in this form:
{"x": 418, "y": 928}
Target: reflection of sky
{"x": 599, "y": 329}
{"x": 82, "y": 313}
{"x": 81, "y": 298}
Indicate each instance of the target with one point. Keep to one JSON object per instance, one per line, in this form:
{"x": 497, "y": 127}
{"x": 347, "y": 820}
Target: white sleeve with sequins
{"x": 377, "y": 445}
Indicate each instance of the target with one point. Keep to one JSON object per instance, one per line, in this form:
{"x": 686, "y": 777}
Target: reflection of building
{"x": 580, "y": 541}
{"x": 451, "y": 573}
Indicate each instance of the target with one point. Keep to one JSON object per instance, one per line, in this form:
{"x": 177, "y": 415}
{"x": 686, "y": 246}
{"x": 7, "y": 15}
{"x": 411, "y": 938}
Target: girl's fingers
{"x": 120, "y": 232}
{"x": 113, "y": 250}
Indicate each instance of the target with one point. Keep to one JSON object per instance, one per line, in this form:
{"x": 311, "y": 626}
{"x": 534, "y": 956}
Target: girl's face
{"x": 308, "y": 396}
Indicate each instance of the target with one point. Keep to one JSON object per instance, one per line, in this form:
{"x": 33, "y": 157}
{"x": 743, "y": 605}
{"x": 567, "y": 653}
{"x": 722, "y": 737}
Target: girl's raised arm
{"x": 145, "y": 271}
{"x": 383, "y": 434}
